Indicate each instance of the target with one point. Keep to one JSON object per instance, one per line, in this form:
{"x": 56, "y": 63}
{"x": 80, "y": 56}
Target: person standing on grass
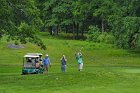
{"x": 79, "y": 60}
{"x": 63, "y": 63}
{"x": 47, "y": 63}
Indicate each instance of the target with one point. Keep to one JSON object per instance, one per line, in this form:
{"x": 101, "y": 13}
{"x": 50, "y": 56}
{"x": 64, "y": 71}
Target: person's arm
{"x": 61, "y": 59}
{"x": 43, "y": 61}
{"x": 49, "y": 62}
{"x": 66, "y": 60}
{"x": 76, "y": 57}
{"x": 80, "y": 54}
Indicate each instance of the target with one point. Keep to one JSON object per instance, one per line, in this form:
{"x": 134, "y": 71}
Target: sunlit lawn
{"x": 106, "y": 69}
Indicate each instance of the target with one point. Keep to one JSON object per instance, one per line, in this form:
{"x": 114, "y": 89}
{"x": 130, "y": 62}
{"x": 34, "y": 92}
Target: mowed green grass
{"x": 106, "y": 69}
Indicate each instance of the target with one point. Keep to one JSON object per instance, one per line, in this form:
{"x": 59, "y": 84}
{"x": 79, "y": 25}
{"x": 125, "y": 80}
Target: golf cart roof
{"x": 38, "y": 54}
{"x": 31, "y": 56}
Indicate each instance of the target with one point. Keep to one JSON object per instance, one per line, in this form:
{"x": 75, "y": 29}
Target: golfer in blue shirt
{"x": 47, "y": 62}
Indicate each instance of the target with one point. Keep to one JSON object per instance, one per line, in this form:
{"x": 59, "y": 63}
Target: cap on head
{"x": 47, "y": 55}
{"x": 63, "y": 55}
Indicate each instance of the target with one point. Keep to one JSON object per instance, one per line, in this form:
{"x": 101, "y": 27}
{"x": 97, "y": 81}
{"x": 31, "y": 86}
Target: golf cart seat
{"x": 29, "y": 65}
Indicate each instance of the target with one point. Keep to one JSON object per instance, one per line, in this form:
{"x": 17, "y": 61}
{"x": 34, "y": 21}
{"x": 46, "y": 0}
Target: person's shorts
{"x": 80, "y": 66}
{"x": 63, "y": 66}
{"x": 46, "y": 65}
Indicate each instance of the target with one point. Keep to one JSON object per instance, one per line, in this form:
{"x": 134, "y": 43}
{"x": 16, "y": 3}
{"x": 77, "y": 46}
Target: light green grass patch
{"x": 129, "y": 70}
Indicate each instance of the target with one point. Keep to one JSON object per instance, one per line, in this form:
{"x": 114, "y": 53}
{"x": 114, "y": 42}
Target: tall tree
{"x": 16, "y": 14}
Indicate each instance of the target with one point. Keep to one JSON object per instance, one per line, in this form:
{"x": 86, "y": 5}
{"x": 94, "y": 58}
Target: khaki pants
{"x": 80, "y": 66}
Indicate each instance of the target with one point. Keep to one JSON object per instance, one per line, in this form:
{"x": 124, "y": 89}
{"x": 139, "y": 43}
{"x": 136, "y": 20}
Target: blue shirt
{"x": 46, "y": 61}
{"x": 63, "y": 61}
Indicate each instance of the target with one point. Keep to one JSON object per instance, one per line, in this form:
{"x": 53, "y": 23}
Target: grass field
{"x": 106, "y": 69}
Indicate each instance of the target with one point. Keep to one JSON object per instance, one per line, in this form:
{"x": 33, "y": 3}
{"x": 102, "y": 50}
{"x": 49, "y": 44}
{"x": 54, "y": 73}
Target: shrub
{"x": 126, "y": 31}
{"x": 106, "y": 38}
{"x": 93, "y": 33}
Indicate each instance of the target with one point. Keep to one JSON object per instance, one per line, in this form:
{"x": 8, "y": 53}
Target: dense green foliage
{"x": 119, "y": 19}
{"x": 20, "y": 21}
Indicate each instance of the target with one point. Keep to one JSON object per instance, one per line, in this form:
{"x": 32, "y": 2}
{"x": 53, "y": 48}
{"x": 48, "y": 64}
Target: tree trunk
{"x": 82, "y": 33}
{"x": 59, "y": 27}
{"x": 133, "y": 39}
{"x": 50, "y": 30}
{"x": 66, "y": 29}
{"x": 57, "y": 30}
{"x": 102, "y": 25}
{"x": 77, "y": 30}
{"x": 73, "y": 30}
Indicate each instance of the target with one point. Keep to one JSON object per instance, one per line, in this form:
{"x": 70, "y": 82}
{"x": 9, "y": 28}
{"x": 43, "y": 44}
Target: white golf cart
{"x": 32, "y": 63}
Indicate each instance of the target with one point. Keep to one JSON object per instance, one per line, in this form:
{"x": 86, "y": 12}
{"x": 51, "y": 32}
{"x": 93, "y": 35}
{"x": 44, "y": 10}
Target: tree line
{"x": 109, "y": 21}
